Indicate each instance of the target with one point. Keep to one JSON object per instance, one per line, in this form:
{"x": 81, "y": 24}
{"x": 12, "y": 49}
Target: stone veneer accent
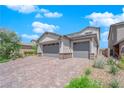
{"x": 92, "y": 56}
{"x": 65, "y": 55}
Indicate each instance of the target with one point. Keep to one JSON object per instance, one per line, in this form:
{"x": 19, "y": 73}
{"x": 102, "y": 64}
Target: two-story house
{"x": 116, "y": 39}
{"x": 83, "y": 44}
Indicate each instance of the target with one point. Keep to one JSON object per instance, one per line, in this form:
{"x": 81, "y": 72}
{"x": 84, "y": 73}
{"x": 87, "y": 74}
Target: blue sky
{"x": 30, "y": 22}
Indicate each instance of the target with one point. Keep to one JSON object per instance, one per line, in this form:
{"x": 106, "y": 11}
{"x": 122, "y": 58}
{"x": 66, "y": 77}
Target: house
{"x": 116, "y": 39}
{"x": 26, "y": 49}
{"x": 83, "y": 44}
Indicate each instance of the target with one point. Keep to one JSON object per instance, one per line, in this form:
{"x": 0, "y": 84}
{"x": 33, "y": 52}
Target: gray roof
{"x": 67, "y": 36}
{"x": 48, "y": 33}
{"x": 88, "y": 27}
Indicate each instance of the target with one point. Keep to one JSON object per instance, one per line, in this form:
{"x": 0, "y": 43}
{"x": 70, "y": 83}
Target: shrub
{"x": 4, "y": 59}
{"x": 83, "y": 82}
{"x": 9, "y": 43}
{"x": 99, "y": 63}
{"x": 121, "y": 63}
{"x": 121, "y": 66}
{"x": 122, "y": 60}
{"x": 20, "y": 56}
{"x": 113, "y": 69}
{"x": 114, "y": 84}
{"x": 16, "y": 55}
{"x": 87, "y": 71}
{"x": 29, "y": 53}
{"x": 110, "y": 61}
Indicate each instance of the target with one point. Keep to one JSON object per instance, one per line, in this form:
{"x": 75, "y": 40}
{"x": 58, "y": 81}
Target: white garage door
{"x": 51, "y": 50}
{"x": 81, "y": 49}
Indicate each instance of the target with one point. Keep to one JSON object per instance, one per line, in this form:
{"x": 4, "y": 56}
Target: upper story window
{"x": 88, "y": 32}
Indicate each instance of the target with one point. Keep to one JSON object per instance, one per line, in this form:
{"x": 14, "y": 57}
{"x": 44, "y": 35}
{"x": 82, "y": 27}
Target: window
{"x": 88, "y": 32}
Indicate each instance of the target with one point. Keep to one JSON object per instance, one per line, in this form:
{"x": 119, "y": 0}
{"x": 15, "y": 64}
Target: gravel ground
{"x": 37, "y": 72}
{"x": 105, "y": 76}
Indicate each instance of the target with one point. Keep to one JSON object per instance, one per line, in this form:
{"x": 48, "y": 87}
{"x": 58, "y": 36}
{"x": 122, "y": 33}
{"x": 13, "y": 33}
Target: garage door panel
{"x": 51, "y": 50}
{"x": 81, "y": 49}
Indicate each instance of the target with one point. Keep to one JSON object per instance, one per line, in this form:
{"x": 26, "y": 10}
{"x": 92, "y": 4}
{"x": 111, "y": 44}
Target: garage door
{"x": 51, "y": 50}
{"x": 81, "y": 49}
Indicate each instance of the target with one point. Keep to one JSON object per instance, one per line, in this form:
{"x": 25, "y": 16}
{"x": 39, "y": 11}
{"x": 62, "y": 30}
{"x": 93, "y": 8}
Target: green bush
{"x": 121, "y": 66}
{"x": 87, "y": 71}
{"x": 121, "y": 63}
{"x": 29, "y": 53}
{"x": 110, "y": 61}
{"x": 114, "y": 84}
{"x": 83, "y": 82}
{"x": 4, "y": 59}
{"x": 9, "y": 43}
{"x": 99, "y": 64}
{"x": 113, "y": 69}
{"x": 122, "y": 60}
{"x": 16, "y": 55}
{"x": 19, "y": 56}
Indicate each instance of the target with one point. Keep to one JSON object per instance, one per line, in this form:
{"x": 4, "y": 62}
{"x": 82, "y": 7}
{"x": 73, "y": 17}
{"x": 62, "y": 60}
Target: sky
{"x": 30, "y": 22}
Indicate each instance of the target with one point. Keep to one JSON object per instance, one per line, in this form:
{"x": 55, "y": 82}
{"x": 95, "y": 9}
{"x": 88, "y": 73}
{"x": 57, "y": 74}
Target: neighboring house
{"x": 25, "y": 48}
{"x": 83, "y": 44}
{"x": 116, "y": 39}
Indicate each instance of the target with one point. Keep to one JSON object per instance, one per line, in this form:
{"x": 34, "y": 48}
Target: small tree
{"x": 9, "y": 43}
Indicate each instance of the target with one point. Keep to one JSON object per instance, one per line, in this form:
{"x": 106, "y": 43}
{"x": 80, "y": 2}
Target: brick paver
{"x": 37, "y": 71}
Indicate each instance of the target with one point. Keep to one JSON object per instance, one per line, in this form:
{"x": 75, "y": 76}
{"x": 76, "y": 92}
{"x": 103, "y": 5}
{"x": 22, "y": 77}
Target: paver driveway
{"x": 36, "y": 71}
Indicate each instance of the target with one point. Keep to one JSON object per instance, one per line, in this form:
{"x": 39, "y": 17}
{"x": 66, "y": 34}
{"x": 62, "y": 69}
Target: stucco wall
{"x": 86, "y": 32}
{"x": 48, "y": 37}
{"x": 112, "y": 38}
{"x": 94, "y": 47}
{"x": 120, "y": 33}
{"x": 65, "y": 46}
{"x": 39, "y": 49}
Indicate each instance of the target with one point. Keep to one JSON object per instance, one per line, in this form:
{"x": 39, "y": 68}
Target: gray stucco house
{"x": 116, "y": 39}
{"x": 83, "y": 44}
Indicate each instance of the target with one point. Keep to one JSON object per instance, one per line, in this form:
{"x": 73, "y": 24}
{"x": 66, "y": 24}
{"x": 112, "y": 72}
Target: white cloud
{"x": 23, "y": 8}
{"x": 39, "y": 27}
{"x": 105, "y": 19}
{"x": 50, "y": 14}
{"x": 38, "y": 15}
{"x": 53, "y": 15}
{"x": 44, "y": 10}
{"x": 104, "y": 36}
{"x": 123, "y": 9}
{"x": 30, "y": 36}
